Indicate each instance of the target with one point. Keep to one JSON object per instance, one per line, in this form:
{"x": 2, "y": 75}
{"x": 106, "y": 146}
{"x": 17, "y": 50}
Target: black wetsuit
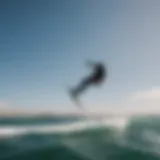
{"x": 99, "y": 73}
{"x": 96, "y": 77}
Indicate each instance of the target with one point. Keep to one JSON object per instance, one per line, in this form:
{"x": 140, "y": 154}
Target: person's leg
{"x": 82, "y": 86}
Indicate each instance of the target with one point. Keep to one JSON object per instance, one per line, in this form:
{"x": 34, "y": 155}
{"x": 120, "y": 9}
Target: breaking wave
{"x": 110, "y": 138}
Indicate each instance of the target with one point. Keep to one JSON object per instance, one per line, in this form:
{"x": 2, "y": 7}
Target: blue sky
{"x": 44, "y": 45}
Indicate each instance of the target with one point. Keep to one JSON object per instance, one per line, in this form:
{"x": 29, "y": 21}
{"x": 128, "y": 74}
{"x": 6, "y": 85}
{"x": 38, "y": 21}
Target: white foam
{"x": 10, "y": 131}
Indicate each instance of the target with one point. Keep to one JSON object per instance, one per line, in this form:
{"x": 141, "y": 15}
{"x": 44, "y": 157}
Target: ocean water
{"x": 112, "y": 138}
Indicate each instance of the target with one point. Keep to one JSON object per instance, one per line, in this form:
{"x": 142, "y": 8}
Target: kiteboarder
{"x": 95, "y": 78}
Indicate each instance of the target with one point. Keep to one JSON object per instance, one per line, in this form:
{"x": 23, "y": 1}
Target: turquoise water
{"x": 114, "y": 138}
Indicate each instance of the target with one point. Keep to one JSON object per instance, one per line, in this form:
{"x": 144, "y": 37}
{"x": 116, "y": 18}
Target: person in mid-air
{"x": 96, "y": 78}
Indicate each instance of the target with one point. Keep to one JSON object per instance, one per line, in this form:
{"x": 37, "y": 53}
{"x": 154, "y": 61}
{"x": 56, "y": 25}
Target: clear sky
{"x": 44, "y": 45}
